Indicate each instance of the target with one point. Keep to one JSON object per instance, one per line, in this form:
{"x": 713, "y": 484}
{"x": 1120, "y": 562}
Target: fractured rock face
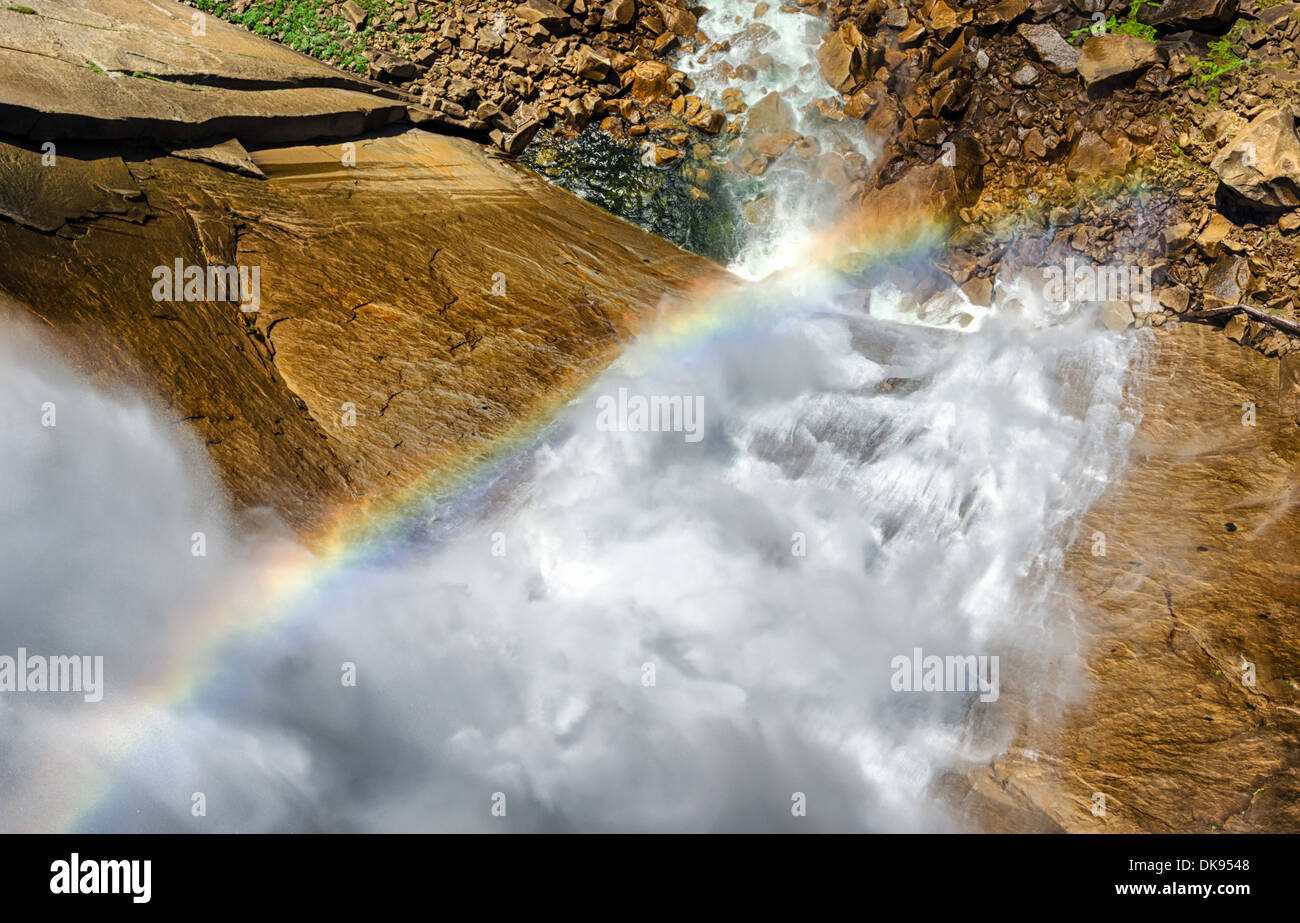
{"x": 46, "y": 198}
{"x": 1262, "y": 162}
{"x": 1110, "y": 59}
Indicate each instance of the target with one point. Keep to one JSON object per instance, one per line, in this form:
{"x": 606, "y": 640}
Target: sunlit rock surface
{"x": 122, "y": 70}
{"x": 419, "y": 297}
{"x": 1200, "y": 576}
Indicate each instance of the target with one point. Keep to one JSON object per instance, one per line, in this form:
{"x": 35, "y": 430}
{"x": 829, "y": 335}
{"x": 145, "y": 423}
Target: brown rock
{"x": 1048, "y": 46}
{"x": 979, "y": 291}
{"x": 590, "y": 64}
{"x": 619, "y": 13}
{"x": 515, "y": 143}
{"x": 1004, "y": 12}
{"x": 680, "y": 22}
{"x": 1174, "y": 297}
{"x": 1110, "y": 59}
{"x": 1093, "y": 157}
{"x": 354, "y": 13}
{"x": 542, "y": 13}
{"x": 1212, "y": 237}
{"x": 1177, "y": 15}
{"x": 649, "y": 81}
{"x": 1167, "y": 713}
{"x": 845, "y": 59}
{"x": 710, "y": 121}
{"x": 1116, "y": 315}
{"x": 1262, "y": 162}
{"x": 1228, "y": 281}
{"x": 664, "y": 155}
{"x": 770, "y": 114}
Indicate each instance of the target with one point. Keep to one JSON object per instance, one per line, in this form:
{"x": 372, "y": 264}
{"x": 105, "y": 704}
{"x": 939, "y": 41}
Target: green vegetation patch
{"x": 1128, "y": 26}
{"x": 1220, "y": 59}
{"x": 311, "y": 26}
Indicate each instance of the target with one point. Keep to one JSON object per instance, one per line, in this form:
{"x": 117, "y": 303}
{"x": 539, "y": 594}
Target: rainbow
{"x": 291, "y": 576}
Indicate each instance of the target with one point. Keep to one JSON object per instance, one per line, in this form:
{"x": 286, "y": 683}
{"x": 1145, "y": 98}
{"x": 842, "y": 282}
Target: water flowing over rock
{"x": 1095, "y": 483}
{"x": 1171, "y": 735}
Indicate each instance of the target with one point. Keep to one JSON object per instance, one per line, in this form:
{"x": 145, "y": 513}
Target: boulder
{"x": 542, "y": 13}
{"x": 1108, "y": 59}
{"x": 391, "y": 68}
{"x": 649, "y": 81}
{"x": 1177, "y": 15}
{"x": 1058, "y": 55}
{"x": 769, "y": 115}
{"x": 710, "y": 121}
{"x": 1026, "y": 75}
{"x": 590, "y": 64}
{"x": 1228, "y": 281}
{"x": 1116, "y": 315}
{"x": 846, "y": 59}
{"x": 618, "y": 13}
{"x": 1093, "y": 157}
{"x": 487, "y": 42}
{"x": 354, "y": 13}
{"x": 514, "y": 143}
{"x": 678, "y": 21}
{"x": 1262, "y": 161}
{"x": 1002, "y": 13}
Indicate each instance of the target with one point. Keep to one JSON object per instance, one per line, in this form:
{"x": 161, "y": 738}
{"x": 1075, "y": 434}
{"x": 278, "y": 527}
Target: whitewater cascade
{"x": 616, "y": 629}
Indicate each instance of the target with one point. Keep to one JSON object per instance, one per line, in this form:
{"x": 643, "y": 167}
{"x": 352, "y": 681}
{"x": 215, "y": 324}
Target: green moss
{"x": 610, "y": 173}
{"x": 96, "y": 68}
{"x": 25, "y": 10}
{"x": 1128, "y": 26}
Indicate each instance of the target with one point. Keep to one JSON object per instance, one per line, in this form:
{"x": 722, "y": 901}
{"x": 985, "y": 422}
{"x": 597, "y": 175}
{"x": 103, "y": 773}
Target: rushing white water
{"x": 798, "y": 193}
{"x": 933, "y": 478}
{"x": 618, "y": 630}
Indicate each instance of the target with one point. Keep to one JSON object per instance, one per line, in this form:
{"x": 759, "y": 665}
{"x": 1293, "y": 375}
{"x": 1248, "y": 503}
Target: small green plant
{"x": 96, "y": 68}
{"x": 25, "y": 10}
{"x": 1128, "y": 26}
{"x": 1219, "y": 58}
{"x": 310, "y": 26}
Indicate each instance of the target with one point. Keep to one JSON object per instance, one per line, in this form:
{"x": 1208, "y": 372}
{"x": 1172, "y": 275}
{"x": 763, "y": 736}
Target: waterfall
{"x": 681, "y": 608}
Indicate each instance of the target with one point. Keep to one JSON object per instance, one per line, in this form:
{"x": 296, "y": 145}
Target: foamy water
{"x": 615, "y": 630}
{"x": 929, "y": 480}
